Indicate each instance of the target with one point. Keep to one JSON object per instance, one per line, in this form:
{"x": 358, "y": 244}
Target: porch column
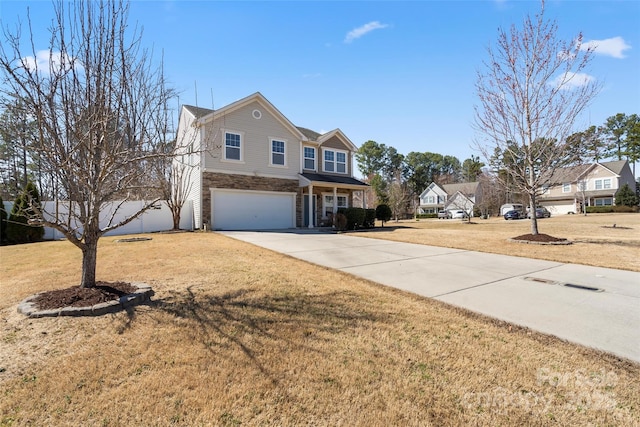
{"x": 310, "y": 205}
{"x": 335, "y": 201}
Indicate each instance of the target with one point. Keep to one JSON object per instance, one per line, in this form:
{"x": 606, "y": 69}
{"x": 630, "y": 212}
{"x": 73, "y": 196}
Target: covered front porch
{"x": 323, "y": 195}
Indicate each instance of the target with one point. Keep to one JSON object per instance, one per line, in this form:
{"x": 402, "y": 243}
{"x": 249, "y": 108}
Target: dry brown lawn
{"x": 595, "y": 239}
{"x": 238, "y": 335}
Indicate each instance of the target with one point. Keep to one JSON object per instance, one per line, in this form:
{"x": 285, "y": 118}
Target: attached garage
{"x": 560, "y": 207}
{"x": 252, "y": 210}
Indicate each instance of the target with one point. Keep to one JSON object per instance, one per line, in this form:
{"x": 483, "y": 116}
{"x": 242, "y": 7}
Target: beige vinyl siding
{"x": 601, "y": 173}
{"x": 255, "y": 144}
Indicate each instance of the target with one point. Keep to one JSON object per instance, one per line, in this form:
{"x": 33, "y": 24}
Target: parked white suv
{"x": 444, "y": 215}
{"x": 458, "y": 214}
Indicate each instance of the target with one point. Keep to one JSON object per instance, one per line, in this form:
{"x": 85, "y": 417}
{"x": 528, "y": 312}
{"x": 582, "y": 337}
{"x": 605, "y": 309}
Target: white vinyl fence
{"x": 153, "y": 220}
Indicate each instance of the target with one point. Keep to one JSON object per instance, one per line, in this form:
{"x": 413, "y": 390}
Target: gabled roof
{"x": 338, "y": 133}
{"x": 615, "y": 167}
{"x": 458, "y": 195}
{"x": 197, "y": 112}
{"x": 264, "y": 102}
{"x": 465, "y": 188}
{"x": 431, "y": 187}
{"x": 312, "y": 135}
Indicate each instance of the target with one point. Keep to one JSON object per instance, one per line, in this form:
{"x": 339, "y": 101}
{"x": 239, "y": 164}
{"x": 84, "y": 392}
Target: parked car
{"x": 444, "y": 215}
{"x": 513, "y": 215}
{"x": 541, "y": 213}
{"x": 458, "y": 214}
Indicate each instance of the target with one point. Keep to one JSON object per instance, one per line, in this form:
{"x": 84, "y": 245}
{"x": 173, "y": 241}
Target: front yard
{"x": 238, "y": 335}
{"x": 602, "y": 240}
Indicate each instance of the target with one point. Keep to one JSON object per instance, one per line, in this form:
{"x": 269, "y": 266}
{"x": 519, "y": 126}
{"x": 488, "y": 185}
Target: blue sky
{"x": 399, "y": 73}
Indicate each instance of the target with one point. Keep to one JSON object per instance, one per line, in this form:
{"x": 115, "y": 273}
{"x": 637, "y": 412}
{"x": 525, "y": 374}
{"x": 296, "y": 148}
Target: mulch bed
{"x": 545, "y": 238}
{"x": 76, "y": 296}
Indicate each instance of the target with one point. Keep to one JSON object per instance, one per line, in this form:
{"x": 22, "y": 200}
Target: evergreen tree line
{"x": 398, "y": 180}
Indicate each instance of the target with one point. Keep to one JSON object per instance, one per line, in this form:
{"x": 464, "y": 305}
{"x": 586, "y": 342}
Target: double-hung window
{"x": 566, "y": 187}
{"x": 329, "y": 161}
{"x": 277, "y": 153}
{"x": 335, "y": 161}
{"x": 232, "y": 146}
{"x": 341, "y": 162}
{"x": 309, "y": 158}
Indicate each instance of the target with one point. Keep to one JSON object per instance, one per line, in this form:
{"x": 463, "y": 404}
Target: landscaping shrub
{"x": 369, "y": 218}
{"x": 383, "y": 213}
{"x": 18, "y": 228}
{"x": 355, "y": 217}
{"x": 423, "y": 216}
{"x": 611, "y": 209}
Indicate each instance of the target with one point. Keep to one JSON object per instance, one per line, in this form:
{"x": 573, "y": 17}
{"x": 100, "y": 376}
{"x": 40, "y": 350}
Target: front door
{"x": 305, "y": 210}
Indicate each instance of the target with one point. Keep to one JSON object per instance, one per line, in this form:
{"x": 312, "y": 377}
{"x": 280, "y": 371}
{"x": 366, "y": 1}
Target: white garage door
{"x": 252, "y": 210}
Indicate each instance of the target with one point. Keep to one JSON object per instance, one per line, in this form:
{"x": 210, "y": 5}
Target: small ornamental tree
{"x": 383, "y": 213}
{"x": 626, "y": 197}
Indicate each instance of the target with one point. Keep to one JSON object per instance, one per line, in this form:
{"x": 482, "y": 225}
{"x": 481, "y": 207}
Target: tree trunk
{"x": 532, "y": 212}
{"x": 89, "y": 260}
{"x": 175, "y": 213}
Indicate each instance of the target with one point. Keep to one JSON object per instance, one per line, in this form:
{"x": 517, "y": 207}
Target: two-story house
{"x": 461, "y": 196}
{"x": 254, "y": 169}
{"x": 593, "y": 184}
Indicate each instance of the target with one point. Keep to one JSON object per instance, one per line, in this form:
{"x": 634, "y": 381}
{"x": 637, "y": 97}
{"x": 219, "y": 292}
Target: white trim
{"x": 270, "y": 152}
{"x": 315, "y": 159}
{"x": 335, "y": 151}
{"x": 223, "y": 158}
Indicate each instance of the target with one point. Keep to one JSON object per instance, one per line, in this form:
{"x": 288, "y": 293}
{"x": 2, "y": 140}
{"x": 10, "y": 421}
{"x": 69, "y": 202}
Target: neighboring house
{"x": 254, "y": 169}
{"x": 463, "y": 196}
{"x": 593, "y": 184}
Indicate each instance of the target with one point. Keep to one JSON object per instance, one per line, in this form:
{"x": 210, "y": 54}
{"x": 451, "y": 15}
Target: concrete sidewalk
{"x": 595, "y": 307}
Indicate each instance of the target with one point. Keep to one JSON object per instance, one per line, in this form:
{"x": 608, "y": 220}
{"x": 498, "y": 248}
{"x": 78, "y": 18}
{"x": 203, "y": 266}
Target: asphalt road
{"x": 592, "y": 306}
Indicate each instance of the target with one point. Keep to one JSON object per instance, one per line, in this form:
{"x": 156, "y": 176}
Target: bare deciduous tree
{"x": 97, "y": 98}
{"x": 531, "y": 90}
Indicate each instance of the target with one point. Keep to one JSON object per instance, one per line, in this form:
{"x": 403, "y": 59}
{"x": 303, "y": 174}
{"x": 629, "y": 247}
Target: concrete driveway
{"x": 595, "y": 307}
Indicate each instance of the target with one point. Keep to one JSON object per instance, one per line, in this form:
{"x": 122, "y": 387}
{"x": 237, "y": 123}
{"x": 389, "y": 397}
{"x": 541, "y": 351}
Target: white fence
{"x": 153, "y": 220}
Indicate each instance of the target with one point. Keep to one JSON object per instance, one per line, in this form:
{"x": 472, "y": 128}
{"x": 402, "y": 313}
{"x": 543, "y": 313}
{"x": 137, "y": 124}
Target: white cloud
{"x": 361, "y": 31}
{"x": 46, "y": 61}
{"x": 568, "y": 81}
{"x": 614, "y": 47}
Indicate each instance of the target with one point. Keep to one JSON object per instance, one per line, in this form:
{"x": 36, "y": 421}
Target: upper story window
{"x": 232, "y": 146}
{"x": 430, "y": 200}
{"x": 603, "y": 184}
{"x": 309, "y": 158}
{"x": 335, "y": 161}
{"x": 277, "y": 153}
{"x": 582, "y": 186}
{"x": 566, "y": 187}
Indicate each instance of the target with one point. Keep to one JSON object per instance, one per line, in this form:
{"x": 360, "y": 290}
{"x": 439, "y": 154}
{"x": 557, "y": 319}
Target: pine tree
{"x": 626, "y": 197}
{"x": 18, "y": 228}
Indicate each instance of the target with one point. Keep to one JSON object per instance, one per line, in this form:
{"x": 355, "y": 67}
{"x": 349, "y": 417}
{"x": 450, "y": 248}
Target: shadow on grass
{"x": 260, "y": 324}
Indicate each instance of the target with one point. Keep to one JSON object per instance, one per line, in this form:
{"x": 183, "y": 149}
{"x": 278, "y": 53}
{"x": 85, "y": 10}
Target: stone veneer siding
{"x": 245, "y": 182}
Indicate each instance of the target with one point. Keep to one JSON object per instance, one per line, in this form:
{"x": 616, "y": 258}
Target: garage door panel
{"x": 248, "y": 210}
